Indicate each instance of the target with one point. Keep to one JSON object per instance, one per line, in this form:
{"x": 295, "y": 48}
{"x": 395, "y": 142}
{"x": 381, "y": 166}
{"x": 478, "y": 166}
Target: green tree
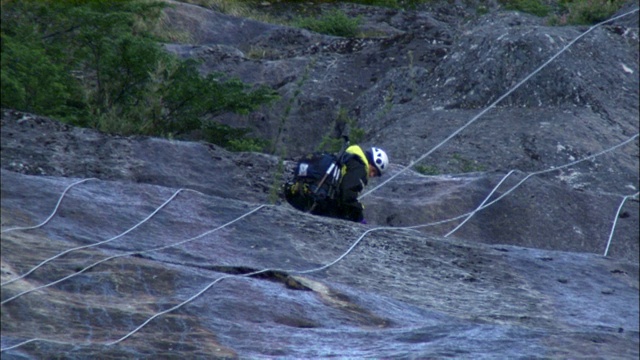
{"x": 33, "y": 77}
{"x": 99, "y": 63}
{"x": 29, "y": 81}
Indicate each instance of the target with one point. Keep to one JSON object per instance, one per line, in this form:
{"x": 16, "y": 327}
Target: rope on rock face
{"x": 497, "y": 101}
{"x": 54, "y": 210}
{"x": 157, "y": 314}
{"x": 561, "y": 167}
{"x": 203, "y": 290}
{"x": 48, "y": 341}
{"x": 481, "y": 204}
{"x": 362, "y": 236}
{"x": 90, "y": 245}
{"x": 353, "y": 246}
{"x": 132, "y": 253}
{"x": 380, "y": 185}
{"x": 615, "y": 220}
{"x": 481, "y": 207}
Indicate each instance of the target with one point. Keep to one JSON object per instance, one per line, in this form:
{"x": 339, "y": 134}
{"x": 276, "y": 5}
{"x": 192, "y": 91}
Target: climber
{"x": 336, "y": 195}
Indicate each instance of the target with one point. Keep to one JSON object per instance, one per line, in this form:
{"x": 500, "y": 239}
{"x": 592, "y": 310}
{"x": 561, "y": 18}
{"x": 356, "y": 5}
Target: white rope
{"x": 380, "y": 185}
{"x": 513, "y": 188}
{"x": 179, "y": 305}
{"x": 615, "y": 220}
{"x": 481, "y": 204}
{"x": 561, "y": 167}
{"x": 242, "y": 276}
{"x": 353, "y": 246}
{"x": 525, "y": 179}
{"x": 54, "y": 210}
{"x": 496, "y": 102}
{"x": 129, "y": 254}
{"x": 481, "y": 207}
{"x": 92, "y": 245}
{"x": 157, "y": 314}
{"x": 46, "y": 340}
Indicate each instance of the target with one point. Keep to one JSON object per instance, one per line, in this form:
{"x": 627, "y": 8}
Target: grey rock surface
{"x": 397, "y": 294}
{"x": 537, "y": 213}
{"x": 522, "y": 278}
{"x": 410, "y": 89}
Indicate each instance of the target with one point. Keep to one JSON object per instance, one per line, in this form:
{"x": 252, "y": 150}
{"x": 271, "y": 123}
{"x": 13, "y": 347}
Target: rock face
{"x": 194, "y": 240}
{"x": 397, "y": 294}
{"x": 537, "y": 213}
{"x": 426, "y": 74}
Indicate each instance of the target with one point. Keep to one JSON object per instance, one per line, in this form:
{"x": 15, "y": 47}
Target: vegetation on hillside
{"x": 101, "y": 64}
{"x": 338, "y": 23}
{"x": 567, "y": 12}
{"x": 334, "y": 22}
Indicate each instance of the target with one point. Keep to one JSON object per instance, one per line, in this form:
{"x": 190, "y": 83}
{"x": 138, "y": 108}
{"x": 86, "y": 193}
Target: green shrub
{"x": 31, "y": 82}
{"x": 334, "y": 22}
{"x": 586, "y": 12}
{"x": 567, "y": 12}
{"x": 535, "y": 7}
{"x": 427, "y": 169}
{"x": 98, "y": 63}
{"x": 395, "y": 4}
{"x": 276, "y": 189}
{"x": 466, "y": 165}
{"x": 342, "y": 124}
{"x": 234, "y": 139}
{"x": 188, "y": 96}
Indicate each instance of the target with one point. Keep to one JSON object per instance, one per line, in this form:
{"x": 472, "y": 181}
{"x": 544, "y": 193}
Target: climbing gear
{"x": 316, "y": 178}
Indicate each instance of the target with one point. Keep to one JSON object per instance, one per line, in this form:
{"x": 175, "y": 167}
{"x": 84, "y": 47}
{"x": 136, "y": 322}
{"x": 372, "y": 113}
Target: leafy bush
{"x": 567, "y": 12}
{"x": 343, "y": 124}
{"x": 395, "y": 4}
{"x": 97, "y": 63}
{"x": 334, "y": 22}
{"x": 586, "y": 12}
{"x": 535, "y": 7}
{"x": 188, "y": 96}
{"x": 382, "y": 3}
{"x": 234, "y": 139}
{"x": 427, "y": 169}
{"x": 466, "y": 165}
{"x": 31, "y": 82}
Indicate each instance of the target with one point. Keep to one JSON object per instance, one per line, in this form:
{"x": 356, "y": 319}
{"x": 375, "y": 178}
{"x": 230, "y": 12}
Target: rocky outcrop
{"x": 195, "y": 239}
{"x": 411, "y": 88}
{"x": 536, "y": 213}
{"x": 396, "y": 294}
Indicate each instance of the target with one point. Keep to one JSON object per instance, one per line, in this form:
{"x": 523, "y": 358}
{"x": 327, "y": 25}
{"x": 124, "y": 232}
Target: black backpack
{"x": 321, "y": 171}
{"x": 315, "y": 178}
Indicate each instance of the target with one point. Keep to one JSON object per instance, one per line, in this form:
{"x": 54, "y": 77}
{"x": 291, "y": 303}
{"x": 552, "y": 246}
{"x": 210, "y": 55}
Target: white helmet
{"x": 380, "y": 159}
